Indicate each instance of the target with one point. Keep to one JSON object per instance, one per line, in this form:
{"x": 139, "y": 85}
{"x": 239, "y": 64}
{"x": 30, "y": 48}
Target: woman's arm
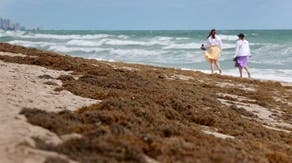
{"x": 249, "y": 54}
{"x": 208, "y": 44}
{"x": 237, "y": 49}
{"x": 220, "y": 43}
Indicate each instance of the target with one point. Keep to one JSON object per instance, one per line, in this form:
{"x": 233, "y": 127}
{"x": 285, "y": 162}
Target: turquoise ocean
{"x": 271, "y": 49}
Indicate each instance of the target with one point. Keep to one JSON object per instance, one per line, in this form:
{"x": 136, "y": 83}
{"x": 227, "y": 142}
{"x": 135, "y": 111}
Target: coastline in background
{"x": 271, "y": 49}
{"x": 7, "y": 24}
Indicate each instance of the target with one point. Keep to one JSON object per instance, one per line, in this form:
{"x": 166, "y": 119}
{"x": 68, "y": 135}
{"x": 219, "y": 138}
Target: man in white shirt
{"x": 242, "y": 54}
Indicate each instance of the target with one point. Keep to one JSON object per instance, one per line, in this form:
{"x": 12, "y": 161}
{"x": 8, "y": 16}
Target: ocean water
{"x": 271, "y": 49}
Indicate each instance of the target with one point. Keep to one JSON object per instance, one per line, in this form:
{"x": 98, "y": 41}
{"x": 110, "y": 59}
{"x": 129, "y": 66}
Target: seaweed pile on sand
{"x": 154, "y": 114}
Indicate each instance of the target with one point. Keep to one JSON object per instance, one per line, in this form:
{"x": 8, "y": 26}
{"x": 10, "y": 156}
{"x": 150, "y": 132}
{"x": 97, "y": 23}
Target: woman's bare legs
{"x": 216, "y": 63}
{"x": 218, "y": 66}
{"x": 248, "y": 73}
{"x": 212, "y": 66}
{"x": 240, "y": 71}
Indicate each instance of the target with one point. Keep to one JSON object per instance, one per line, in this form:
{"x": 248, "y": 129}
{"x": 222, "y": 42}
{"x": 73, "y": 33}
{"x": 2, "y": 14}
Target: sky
{"x": 149, "y": 14}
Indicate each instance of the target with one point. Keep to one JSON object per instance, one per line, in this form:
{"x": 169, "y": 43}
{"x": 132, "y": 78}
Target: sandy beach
{"x": 61, "y": 108}
{"x": 21, "y": 87}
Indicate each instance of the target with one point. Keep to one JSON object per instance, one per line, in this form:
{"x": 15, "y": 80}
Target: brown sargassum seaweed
{"x": 150, "y": 114}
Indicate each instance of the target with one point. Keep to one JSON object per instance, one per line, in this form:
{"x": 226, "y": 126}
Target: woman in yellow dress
{"x": 214, "y": 45}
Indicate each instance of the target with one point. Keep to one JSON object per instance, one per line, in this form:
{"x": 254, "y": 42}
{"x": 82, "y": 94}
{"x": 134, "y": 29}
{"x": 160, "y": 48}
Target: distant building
{"x": 6, "y": 24}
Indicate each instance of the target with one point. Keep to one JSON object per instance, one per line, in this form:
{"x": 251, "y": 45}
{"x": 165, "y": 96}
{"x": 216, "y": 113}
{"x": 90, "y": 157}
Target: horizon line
{"x": 44, "y": 29}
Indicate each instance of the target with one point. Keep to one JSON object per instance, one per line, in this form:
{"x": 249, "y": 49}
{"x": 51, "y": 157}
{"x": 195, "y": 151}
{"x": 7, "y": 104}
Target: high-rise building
{"x": 1, "y": 22}
{"x": 6, "y": 24}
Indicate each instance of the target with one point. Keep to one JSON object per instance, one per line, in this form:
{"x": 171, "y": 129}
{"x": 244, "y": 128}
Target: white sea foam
{"x": 85, "y": 43}
{"x": 116, "y": 42}
{"x": 272, "y": 50}
{"x": 126, "y": 42}
{"x": 228, "y": 37}
{"x": 102, "y": 59}
{"x": 134, "y": 52}
{"x": 11, "y": 33}
{"x": 287, "y": 50}
{"x": 270, "y": 62}
{"x": 97, "y": 58}
{"x": 66, "y": 49}
{"x": 183, "y": 46}
{"x": 271, "y": 74}
{"x": 32, "y": 43}
{"x": 193, "y": 46}
{"x": 265, "y": 74}
{"x": 182, "y": 38}
{"x": 123, "y": 37}
{"x": 159, "y": 40}
{"x": 66, "y": 37}
{"x": 228, "y": 46}
{"x": 162, "y": 38}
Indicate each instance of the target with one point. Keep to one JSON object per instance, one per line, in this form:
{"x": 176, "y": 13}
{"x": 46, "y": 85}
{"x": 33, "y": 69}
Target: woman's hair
{"x": 210, "y": 33}
{"x": 241, "y": 36}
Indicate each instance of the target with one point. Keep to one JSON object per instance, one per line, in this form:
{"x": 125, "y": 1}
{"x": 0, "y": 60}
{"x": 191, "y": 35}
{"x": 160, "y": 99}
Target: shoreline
{"x": 199, "y": 70}
{"x": 287, "y": 83}
{"x": 181, "y": 49}
{"x": 136, "y": 112}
